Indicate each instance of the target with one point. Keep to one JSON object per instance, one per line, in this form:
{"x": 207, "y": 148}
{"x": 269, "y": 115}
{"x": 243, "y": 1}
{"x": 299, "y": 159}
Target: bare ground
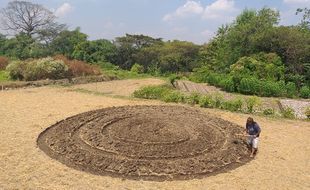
{"x": 282, "y": 161}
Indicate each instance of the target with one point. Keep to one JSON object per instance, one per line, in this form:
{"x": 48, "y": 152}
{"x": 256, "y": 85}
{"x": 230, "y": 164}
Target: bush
{"x": 206, "y": 102}
{"x": 307, "y": 112}
{"x": 193, "y": 98}
{"x": 4, "y": 61}
{"x": 4, "y": 76}
{"x": 305, "y": 92}
{"x": 218, "y": 100}
{"x": 288, "y": 113}
{"x": 251, "y": 102}
{"x": 291, "y": 89}
{"x": 173, "y": 96}
{"x": 78, "y": 68}
{"x": 270, "y": 88}
{"x": 173, "y": 78}
{"x": 214, "y": 79}
{"x": 151, "y": 92}
{"x": 249, "y": 86}
{"x": 233, "y": 105}
{"x": 268, "y": 111}
{"x": 136, "y": 68}
{"x": 16, "y": 69}
{"x": 200, "y": 75}
{"x": 227, "y": 84}
{"x": 45, "y": 68}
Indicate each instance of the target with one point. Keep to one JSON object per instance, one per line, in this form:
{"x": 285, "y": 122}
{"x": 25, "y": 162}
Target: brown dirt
{"x": 282, "y": 161}
{"x": 146, "y": 142}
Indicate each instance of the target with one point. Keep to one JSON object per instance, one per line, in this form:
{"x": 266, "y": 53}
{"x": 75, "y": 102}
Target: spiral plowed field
{"x": 146, "y": 142}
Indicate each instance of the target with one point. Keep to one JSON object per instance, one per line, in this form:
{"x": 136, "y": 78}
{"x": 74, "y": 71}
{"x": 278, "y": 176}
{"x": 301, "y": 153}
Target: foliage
{"x": 207, "y": 101}
{"x": 151, "y": 92}
{"x": 288, "y": 113}
{"x": 45, "y": 68}
{"x": 4, "y": 61}
{"x": 305, "y": 92}
{"x": 4, "y": 76}
{"x": 251, "y": 102}
{"x": 193, "y": 98}
{"x": 16, "y": 70}
{"x": 95, "y": 51}
{"x": 66, "y": 42}
{"x": 233, "y": 105}
{"x": 268, "y": 111}
{"x": 136, "y": 68}
{"x": 173, "y": 96}
{"x": 78, "y": 68}
{"x": 291, "y": 89}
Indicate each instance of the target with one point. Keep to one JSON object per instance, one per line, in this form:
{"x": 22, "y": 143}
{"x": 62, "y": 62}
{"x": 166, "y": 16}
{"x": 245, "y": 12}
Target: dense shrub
{"x": 218, "y": 99}
{"x": 268, "y": 111}
{"x": 305, "y": 92}
{"x": 249, "y": 86}
{"x": 288, "y": 113}
{"x": 251, "y": 102}
{"x": 207, "y": 102}
{"x": 16, "y": 69}
{"x": 270, "y": 88}
{"x": 78, "y": 68}
{"x": 4, "y": 61}
{"x": 227, "y": 84}
{"x": 214, "y": 79}
{"x": 233, "y": 105}
{"x": 151, "y": 92}
{"x": 291, "y": 89}
{"x": 200, "y": 75}
{"x": 173, "y": 96}
{"x": 45, "y": 68}
{"x": 193, "y": 98}
{"x": 136, "y": 68}
{"x": 173, "y": 78}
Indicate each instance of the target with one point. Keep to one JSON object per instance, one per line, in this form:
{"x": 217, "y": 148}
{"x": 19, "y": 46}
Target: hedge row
{"x": 49, "y": 68}
{"x": 252, "y": 85}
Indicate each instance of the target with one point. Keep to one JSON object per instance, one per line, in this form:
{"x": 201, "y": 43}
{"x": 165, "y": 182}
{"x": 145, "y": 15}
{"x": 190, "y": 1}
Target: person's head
{"x": 250, "y": 120}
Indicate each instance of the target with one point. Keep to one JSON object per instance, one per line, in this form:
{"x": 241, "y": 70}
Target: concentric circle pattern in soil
{"x": 146, "y": 142}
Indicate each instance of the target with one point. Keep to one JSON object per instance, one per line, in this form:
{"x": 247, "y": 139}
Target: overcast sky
{"x": 189, "y": 20}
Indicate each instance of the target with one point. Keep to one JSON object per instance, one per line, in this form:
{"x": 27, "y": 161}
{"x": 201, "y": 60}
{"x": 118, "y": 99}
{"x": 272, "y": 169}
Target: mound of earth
{"x": 146, "y": 142}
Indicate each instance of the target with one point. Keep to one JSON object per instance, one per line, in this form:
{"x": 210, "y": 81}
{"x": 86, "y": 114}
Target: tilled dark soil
{"x": 146, "y": 142}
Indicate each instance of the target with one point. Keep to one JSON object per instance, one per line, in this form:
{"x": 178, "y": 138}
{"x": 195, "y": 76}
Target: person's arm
{"x": 246, "y": 131}
{"x": 258, "y": 130}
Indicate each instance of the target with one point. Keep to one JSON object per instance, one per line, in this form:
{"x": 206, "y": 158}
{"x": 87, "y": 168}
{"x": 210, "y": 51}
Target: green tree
{"x": 129, "y": 45}
{"x": 95, "y": 51}
{"x": 66, "y": 42}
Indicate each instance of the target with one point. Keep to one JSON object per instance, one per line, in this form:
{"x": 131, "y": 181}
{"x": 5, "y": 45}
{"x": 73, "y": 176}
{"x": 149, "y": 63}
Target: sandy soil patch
{"x": 282, "y": 161}
{"x": 119, "y": 87}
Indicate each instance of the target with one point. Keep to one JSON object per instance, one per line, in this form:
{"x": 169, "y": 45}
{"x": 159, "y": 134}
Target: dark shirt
{"x": 253, "y": 129}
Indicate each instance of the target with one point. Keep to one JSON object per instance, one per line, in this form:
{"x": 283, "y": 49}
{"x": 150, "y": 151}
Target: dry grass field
{"x": 283, "y": 161}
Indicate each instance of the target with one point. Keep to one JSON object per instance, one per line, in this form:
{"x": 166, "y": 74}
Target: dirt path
{"x": 282, "y": 163}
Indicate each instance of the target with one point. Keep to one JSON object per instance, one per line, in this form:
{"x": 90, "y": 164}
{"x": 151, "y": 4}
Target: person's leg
{"x": 250, "y": 142}
{"x": 254, "y": 146}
